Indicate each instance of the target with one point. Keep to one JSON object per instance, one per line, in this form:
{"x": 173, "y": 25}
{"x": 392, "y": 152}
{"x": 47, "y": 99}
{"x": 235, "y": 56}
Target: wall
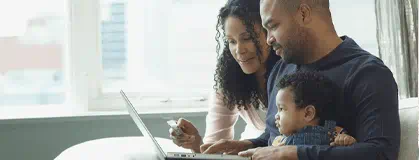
{"x": 44, "y": 139}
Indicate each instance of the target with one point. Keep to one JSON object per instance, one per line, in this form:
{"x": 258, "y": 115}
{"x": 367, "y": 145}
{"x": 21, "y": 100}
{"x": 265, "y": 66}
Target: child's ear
{"x": 310, "y": 113}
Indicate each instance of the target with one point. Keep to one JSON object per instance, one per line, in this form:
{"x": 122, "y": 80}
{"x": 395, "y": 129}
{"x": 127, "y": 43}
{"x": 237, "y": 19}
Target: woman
{"x": 241, "y": 72}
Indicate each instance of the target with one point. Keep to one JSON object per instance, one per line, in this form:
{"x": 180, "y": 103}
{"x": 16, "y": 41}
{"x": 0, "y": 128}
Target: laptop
{"x": 171, "y": 155}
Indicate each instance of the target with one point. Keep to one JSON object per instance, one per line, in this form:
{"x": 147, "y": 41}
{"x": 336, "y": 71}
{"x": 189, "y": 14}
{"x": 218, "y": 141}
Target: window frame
{"x": 86, "y": 71}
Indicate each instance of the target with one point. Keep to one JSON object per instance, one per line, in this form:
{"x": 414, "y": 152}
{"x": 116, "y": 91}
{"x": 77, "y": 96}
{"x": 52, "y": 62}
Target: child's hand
{"x": 282, "y": 144}
{"x": 279, "y": 141}
{"x": 343, "y": 140}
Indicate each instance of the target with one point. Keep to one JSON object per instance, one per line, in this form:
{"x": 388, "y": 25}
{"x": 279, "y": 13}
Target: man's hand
{"x": 249, "y": 152}
{"x": 227, "y": 147}
{"x": 272, "y": 153}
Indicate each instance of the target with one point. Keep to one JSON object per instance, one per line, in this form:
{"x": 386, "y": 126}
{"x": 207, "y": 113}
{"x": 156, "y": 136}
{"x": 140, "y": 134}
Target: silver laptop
{"x": 171, "y": 155}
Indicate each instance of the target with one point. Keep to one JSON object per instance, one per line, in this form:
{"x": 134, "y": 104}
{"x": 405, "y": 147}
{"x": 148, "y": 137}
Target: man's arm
{"x": 262, "y": 140}
{"x": 375, "y": 94}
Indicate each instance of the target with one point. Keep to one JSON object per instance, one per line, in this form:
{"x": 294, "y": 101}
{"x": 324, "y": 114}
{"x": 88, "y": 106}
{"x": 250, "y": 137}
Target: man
{"x": 302, "y": 33}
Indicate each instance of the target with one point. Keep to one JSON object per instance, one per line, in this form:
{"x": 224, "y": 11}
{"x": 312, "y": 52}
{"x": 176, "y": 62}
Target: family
{"x": 304, "y": 92}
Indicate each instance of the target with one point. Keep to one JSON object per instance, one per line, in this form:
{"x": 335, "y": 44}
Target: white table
{"x": 117, "y": 148}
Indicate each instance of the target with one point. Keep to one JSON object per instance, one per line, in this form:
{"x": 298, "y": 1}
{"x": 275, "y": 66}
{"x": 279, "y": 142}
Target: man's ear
{"x": 310, "y": 113}
{"x": 305, "y": 14}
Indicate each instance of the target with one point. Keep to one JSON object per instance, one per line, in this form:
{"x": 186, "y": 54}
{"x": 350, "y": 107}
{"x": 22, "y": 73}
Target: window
{"x": 114, "y": 46}
{"x": 162, "y": 53}
{"x": 357, "y": 20}
{"x": 32, "y": 46}
{"x": 158, "y": 49}
{"x": 158, "y": 46}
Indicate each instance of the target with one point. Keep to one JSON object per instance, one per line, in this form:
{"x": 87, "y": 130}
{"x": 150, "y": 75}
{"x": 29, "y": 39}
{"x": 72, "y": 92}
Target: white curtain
{"x": 397, "y": 34}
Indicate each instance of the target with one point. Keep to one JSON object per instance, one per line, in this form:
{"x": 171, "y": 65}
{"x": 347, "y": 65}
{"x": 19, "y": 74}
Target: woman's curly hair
{"x": 237, "y": 87}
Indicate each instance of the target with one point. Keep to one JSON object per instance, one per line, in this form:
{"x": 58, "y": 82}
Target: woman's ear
{"x": 310, "y": 113}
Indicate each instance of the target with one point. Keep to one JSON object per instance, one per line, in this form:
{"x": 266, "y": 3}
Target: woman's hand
{"x": 190, "y": 139}
{"x": 226, "y": 147}
{"x": 205, "y": 146}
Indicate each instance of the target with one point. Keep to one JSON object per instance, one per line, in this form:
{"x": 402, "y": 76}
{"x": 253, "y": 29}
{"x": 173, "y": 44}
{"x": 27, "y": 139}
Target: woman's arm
{"x": 220, "y": 120}
{"x": 220, "y": 123}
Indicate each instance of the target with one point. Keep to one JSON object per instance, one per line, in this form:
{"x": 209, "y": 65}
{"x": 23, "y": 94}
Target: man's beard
{"x": 296, "y": 48}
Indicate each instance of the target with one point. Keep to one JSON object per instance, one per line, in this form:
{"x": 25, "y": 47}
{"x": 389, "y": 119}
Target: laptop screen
{"x": 146, "y": 133}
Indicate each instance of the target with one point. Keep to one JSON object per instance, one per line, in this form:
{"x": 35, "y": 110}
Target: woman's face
{"x": 242, "y": 47}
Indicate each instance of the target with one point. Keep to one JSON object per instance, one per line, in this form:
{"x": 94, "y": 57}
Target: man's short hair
{"x": 292, "y": 5}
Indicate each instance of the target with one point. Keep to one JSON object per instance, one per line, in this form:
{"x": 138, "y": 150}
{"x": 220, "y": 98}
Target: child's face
{"x": 289, "y": 118}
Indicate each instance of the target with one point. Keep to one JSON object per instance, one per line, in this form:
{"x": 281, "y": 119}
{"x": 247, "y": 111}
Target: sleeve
{"x": 220, "y": 120}
{"x": 374, "y": 93}
{"x": 263, "y": 139}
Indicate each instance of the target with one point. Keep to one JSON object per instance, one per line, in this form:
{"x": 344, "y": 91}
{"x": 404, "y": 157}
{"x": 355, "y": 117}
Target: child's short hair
{"x": 312, "y": 88}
